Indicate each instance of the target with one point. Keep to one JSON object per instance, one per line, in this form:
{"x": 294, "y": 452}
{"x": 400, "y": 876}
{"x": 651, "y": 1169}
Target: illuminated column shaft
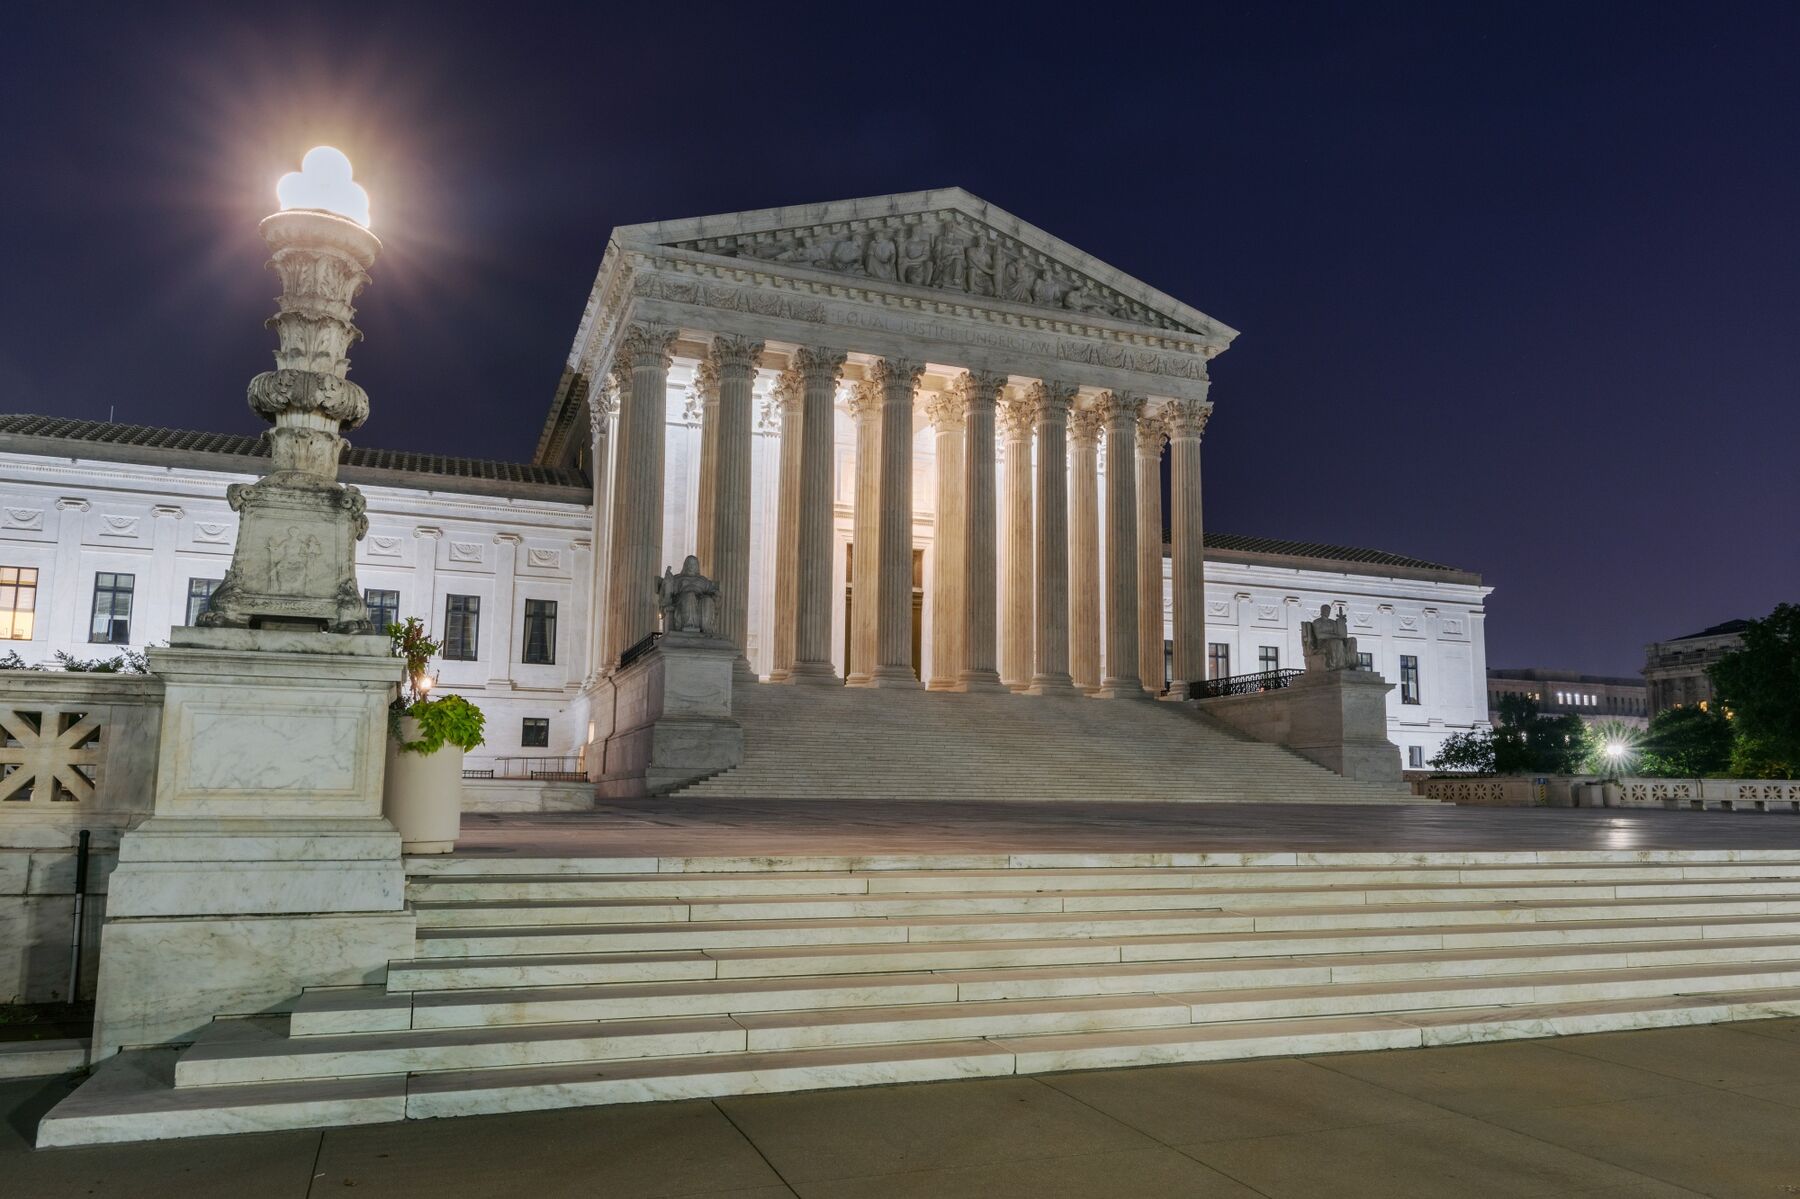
{"x": 733, "y": 362}
{"x": 865, "y": 533}
{"x": 1051, "y": 673}
{"x": 1187, "y": 421}
{"x": 1151, "y": 434}
{"x": 979, "y": 391}
{"x": 641, "y": 366}
{"x": 947, "y": 413}
{"x": 1084, "y": 549}
{"x": 706, "y": 388}
{"x": 819, "y": 371}
{"x": 790, "y": 395}
{"x": 601, "y": 406}
{"x": 1016, "y": 599}
{"x": 898, "y": 379}
{"x": 1121, "y": 412}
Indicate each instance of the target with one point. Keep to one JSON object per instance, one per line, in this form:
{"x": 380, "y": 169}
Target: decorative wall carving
{"x": 384, "y": 547}
{"x": 544, "y": 559}
{"x": 118, "y": 526}
{"x": 211, "y": 532}
{"x": 465, "y": 551}
{"x": 24, "y": 518}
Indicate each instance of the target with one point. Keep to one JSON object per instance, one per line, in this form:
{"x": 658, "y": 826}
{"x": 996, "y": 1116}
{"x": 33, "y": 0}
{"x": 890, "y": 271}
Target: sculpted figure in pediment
{"x": 949, "y": 258}
{"x": 983, "y": 258}
{"x": 1019, "y": 280}
{"x": 915, "y": 257}
{"x": 881, "y": 258}
{"x": 844, "y": 254}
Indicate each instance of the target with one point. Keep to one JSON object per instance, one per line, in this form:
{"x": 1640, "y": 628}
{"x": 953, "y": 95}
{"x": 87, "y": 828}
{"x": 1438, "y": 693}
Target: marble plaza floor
{"x": 1705, "y": 1110}
{"x": 697, "y": 828}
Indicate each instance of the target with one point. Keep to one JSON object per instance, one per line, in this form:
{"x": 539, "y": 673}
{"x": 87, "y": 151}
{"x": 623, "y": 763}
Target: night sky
{"x": 1518, "y": 286}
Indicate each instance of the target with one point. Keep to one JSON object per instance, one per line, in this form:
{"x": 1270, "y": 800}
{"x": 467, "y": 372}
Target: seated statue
{"x": 689, "y": 600}
{"x": 1327, "y": 642}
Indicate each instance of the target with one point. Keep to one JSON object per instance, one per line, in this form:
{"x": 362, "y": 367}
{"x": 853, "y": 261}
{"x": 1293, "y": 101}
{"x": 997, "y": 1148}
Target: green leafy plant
{"x": 446, "y": 720}
{"x": 1688, "y": 743}
{"x": 12, "y": 661}
{"x": 1759, "y": 687}
{"x": 128, "y": 662}
{"x": 1472, "y": 751}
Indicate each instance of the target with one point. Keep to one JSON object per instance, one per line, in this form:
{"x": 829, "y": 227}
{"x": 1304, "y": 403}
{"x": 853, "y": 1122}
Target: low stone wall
{"x": 526, "y": 795}
{"x": 1335, "y": 718}
{"x": 1719, "y": 795}
{"x": 81, "y": 754}
{"x": 1504, "y": 791}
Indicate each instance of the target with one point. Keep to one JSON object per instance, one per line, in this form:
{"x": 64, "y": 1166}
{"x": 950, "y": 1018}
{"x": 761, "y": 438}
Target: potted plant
{"x": 427, "y": 737}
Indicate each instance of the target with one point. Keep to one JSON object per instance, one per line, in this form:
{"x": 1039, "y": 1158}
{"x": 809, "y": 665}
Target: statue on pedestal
{"x": 1327, "y": 642}
{"x": 689, "y": 600}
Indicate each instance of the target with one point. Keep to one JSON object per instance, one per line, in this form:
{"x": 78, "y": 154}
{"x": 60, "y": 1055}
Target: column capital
{"x": 1052, "y": 400}
{"x": 1123, "y": 408}
{"x": 1018, "y": 416}
{"x": 706, "y": 382}
{"x": 428, "y": 531}
{"x": 732, "y": 353}
{"x": 789, "y": 390}
{"x": 1084, "y": 426}
{"x": 978, "y": 387}
{"x": 1187, "y": 418}
{"x": 69, "y": 503}
{"x": 174, "y": 510}
{"x": 947, "y": 411}
{"x": 644, "y": 345}
{"x": 898, "y": 377}
{"x": 865, "y": 400}
{"x": 1152, "y": 432}
{"x": 820, "y": 364}
{"x": 602, "y": 401}
{"x": 507, "y": 539}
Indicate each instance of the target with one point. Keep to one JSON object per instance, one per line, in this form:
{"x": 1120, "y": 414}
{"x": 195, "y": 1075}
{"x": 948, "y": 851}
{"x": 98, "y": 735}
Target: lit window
{"x": 462, "y": 627}
{"x": 1409, "y": 679}
{"x": 111, "y": 619}
{"x": 18, "y": 602}
{"x": 1268, "y": 657}
{"x": 383, "y": 606}
{"x": 540, "y": 632}
{"x": 535, "y": 733}
{"x": 1218, "y": 660}
{"x": 200, "y": 593}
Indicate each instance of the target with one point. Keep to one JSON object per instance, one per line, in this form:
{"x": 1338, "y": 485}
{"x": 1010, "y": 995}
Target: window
{"x": 1415, "y": 757}
{"x": 540, "y": 632}
{"x": 1409, "y": 679}
{"x": 18, "y": 602}
{"x": 200, "y": 592}
{"x": 1268, "y": 657}
{"x": 462, "y": 627}
{"x": 535, "y": 734}
{"x": 1365, "y": 661}
{"x": 1218, "y": 660}
{"x": 383, "y": 606}
{"x": 111, "y": 621}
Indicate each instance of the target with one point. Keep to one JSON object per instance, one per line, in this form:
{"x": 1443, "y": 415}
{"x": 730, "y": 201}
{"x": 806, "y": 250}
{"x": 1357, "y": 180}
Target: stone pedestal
{"x": 266, "y": 867}
{"x": 1337, "y": 718}
{"x": 664, "y": 719}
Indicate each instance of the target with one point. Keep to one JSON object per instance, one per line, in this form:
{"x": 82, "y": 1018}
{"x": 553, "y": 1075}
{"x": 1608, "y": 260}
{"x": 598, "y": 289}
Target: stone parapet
{"x": 1337, "y": 718}
{"x": 664, "y": 719}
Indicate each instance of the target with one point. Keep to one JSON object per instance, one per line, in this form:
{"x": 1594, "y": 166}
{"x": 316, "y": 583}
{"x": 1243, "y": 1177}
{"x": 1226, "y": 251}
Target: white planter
{"x": 422, "y": 794}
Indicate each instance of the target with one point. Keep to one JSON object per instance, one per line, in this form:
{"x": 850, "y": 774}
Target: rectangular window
{"x": 1415, "y": 757}
{"x": 1365, "y": 661}
{"x": 383, "y": 606}
{"x": 1218, "y": 660}
{"x": 535, "y": 734}
{"x": 111, "y": 623}
{"x": 462, "y": 627}
{"x": 1409, "y": 679}
{"x": 1268, "y": 657}
{"x": 540, "y": 632}
{"x": 18, "y": 602}
{"x": 200, "y": 592}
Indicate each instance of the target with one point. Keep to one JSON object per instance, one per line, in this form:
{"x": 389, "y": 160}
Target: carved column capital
{"x": 947, "y": 411}
{"x": 789, "y": 390}
{"x": 643, "y": 345}
{"x": 1052, "y": 400}
{"x": 69, "y": 503}
{"x": 431, "y": 532}
{"x": 507, "y": 539}
{"x": 602, "y": 401}
{"x": 1187, "y": 418}
{"x": 706, "y": 382}
{"x": 820, "y": 363}
{"x": 1017, "y": 416}
{"x": 1120, "y": 409}
{"x": 898, "y": 377}
{"x": 865, "y": 400}
{"x": 1152, "y": 432}
{"x": 733, "y": 353}
{"x": 978, "y": 387}
{"x": 1084, "y": 426}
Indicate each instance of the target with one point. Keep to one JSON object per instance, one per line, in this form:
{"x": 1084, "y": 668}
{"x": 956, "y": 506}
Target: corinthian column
{"x": 898, "y": 379}
{"x": 978, "y": 392}
{"x": 819, "y": 370}
{"x": 1151, "y": 434}
{"x": 641, "y": 368}
{"x": 1187, "y": 421}
{"x": 733, "y": 364}
{"x": 1120, "y": 412}
{"x": 948, "y": 413}
{"x": 600, "y": 413}
{"x": 706, "y": 390}
{"x": 1016, "y": 417}
{"x": 1051, "y": 673}
{"x": 790, "y": 395}
{"x": 865, "y": 533}
{"x": 1084, "y": 549}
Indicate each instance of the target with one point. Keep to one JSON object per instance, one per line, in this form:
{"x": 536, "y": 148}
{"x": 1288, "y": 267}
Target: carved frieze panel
{"x": 111, "y": 525}
{"x": 212, "y": 532}
{"x": 1220, "y": 611}
{"x": 539, "y": 557}
{"x": 22, "y": 519}
{"x": 465, "y": 551}
{"x": 385, "y": 546}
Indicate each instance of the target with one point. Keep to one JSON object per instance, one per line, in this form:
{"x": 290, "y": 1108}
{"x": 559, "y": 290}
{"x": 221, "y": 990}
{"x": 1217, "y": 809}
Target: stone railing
{"x": 77, "y": 751}
{"x": 1727, "y": 795}
{"x": 1471, "y": 792}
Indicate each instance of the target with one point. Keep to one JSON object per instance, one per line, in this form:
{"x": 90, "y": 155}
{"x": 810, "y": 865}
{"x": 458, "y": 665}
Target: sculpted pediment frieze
{"x": 945, "y": 250}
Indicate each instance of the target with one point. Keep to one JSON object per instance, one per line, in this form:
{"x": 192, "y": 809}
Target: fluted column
{"x": 1016, "y": 599}
{"x": 1050, "y": 674}
{"x": 1151, "y": 434}
{"x": 948, "y": 413}
{"x": 1120, "y": 412}
{"x": 980, "y": 571}
{"x": 706, "y": 390}
{"x": 1187, "y": 421}
{"x": 1084, "y": 549}
{"x": 865, "y": 533}
{"x": 790, "y": 398}
{"x": 898, "y": 379}
{"x": 819, "y": 370}
{"x": 733, "y": 364}
{"x": 641, "y": 367}
{"x": 600, "y": 413}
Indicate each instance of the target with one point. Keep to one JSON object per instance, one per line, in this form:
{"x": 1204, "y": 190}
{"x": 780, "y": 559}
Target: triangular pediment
{"x": 944, "y": 240}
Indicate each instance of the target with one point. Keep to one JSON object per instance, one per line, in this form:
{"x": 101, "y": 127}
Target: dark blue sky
{"x": 1518, "y": 285}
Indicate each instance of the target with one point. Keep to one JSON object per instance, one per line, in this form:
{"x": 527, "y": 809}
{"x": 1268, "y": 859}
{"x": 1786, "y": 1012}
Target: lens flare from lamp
{"x": 323, "y": 182}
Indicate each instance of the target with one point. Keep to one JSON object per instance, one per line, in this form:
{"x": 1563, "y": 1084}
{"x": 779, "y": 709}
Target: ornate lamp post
{"x": 294, "y": 565}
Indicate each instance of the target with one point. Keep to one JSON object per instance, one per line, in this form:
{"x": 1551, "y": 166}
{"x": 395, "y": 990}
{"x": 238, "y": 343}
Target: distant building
{"x": 1675, "y": 671}
{"x": 1560, "y": 692}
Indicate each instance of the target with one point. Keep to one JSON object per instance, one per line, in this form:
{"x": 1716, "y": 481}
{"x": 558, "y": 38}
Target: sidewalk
{"x": 1709, "y": 1110}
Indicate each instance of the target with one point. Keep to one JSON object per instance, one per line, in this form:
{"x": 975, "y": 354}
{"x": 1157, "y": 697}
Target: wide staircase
{"x": 560, "y": 982}
{"x": 857, "y": 743}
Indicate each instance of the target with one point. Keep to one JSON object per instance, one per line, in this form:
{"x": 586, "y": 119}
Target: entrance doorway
{"x": 918, "y": 610}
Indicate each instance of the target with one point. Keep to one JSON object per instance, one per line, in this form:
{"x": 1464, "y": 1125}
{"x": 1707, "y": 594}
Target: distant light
{"x": 323, "y": 181}
{"x": 1615, "y": 750}
{"x": 424, "y": 682}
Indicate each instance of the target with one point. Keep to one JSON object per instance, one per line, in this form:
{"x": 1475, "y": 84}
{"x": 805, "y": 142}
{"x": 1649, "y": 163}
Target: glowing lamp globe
{"x": 323, "y": 184}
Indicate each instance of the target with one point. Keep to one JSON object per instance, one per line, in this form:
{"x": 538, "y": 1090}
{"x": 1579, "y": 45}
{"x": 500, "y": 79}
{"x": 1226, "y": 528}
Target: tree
{"x": 1759, "y": 685}
{"x": 1524, "y": 742}
{"x": 1688, "y": 743}
{"x": 1472, "y": 751}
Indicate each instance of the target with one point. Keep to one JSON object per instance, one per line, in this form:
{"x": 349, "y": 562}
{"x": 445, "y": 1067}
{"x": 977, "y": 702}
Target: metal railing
{"x": 1244, "y": 684}
{"x": 643, "y": 646}
{"x": 564, "y": 769}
